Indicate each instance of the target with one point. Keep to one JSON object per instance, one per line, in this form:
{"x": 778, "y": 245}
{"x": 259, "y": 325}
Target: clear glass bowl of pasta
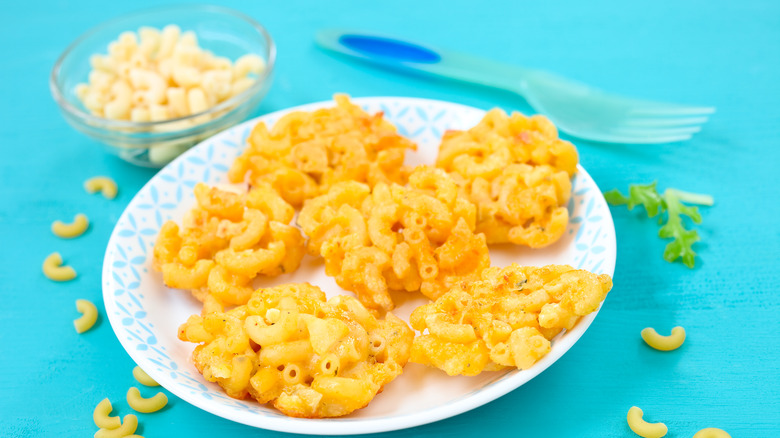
{"x": 224, "y": 32}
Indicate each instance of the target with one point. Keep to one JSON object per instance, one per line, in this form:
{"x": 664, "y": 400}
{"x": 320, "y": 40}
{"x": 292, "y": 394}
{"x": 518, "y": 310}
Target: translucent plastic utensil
{"x": 577, "y": 109}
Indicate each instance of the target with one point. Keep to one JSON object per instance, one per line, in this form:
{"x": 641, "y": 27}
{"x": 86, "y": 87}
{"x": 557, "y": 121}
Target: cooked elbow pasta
{"x": 89, "y": 315}
{"x": 103, "y": 184}
{"x": 643, "y": 428}
{"x": 143, "y": 378}
{"x": 158, "y": 75}
{"x": 227, "y": 240}
{"x": 145, "y": 405}
{"x": 102, "y": 418}
{"x": 71, "y": 230}
{"x": 517, "y": 171}
{"x": 128, "y": 427}
{"x": 504, "y": 319}
{"x": 306, "y": 153}
{"x": 53, "y": 269}
{"x": 712, "y": 432}
{"x": 664, "y": 343}
{"x": 290, "y": 347}
{"x": 414, "y": 238}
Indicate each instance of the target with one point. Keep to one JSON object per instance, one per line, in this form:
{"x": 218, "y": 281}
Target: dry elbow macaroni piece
{"x": 517, "y": 172}
{"x": 290, "y": 347}
{"x": 88, "y": 318}
{"x": 145, "y": 405}
{"x": 128, "y": 427}
{"x": 54, "y": 270}
{"x": 393, "y": 238}
{"x": 227, "y": 240}
{"x": 71, "y": 230}
{"x": 103, "y": 184}
{"x": 143, "y": 378}
{"x": 643, "y": 428}
{"x": 712, "y": 432}
{"x": 504, "y": 319}
{"x": 156, "y": 75}
{"x": 102, "y": 418}
{"x": 664, "y": 343}
{"x": 305, "y": 153}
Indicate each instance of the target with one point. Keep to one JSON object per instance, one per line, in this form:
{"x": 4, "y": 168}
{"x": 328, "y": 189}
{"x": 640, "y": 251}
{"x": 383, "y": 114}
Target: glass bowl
{"x": 223, "y": 31}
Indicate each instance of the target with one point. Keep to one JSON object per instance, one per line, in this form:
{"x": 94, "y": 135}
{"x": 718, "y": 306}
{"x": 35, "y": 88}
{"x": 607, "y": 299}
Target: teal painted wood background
{"x": 725, "y": 54}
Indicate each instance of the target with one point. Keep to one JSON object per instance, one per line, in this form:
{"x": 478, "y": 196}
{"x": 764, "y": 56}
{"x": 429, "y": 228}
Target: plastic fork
{"x": 577, "y": 109}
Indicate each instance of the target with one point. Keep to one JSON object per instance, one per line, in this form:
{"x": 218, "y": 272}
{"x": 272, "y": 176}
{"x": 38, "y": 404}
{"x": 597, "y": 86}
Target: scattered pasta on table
{"x": 145, "y": 405}
{"x": 712, "y": 432}
{"x": 54, "y": 270}
{"x": 128, "y": 427}
{"x": 74, "y": 229}
{"x": 664, "y": 343}
{"x": 102, "y": 418}
{"x": 141, "y": 377}
{"x": 641, "y": 427}
{"x": 103, "y": 184}
{"x": 89, "y": 315}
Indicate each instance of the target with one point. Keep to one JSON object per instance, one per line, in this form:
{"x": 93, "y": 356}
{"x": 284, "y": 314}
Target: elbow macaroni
{"x": 227, "y": 240}
{"x": 643, "y": 428}
{"x": 712, "y": 432}
{"x": 506, "y": 318}
{"x": 102, "y": 418}
{"x": 664, "y": 343}
{"x": 105, "y": 185}
{"x": 393, "y": 238}
{"x": 54, "y": 270}
{"x": 290, "y": 347}
{"x": 305, "y": 153}
{"x": 89, "y": 315}
{"x": 71, "y": 230}
{"x": 143, "y": 378}
{"x": 517, "y": 171}
{"x": 143, "y": 77}
{"x": 128, "y": 427}
{"x": 145, "y": 405}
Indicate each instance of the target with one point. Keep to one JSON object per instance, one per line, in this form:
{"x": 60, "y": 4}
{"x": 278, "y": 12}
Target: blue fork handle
{"x": 414, "y": 57}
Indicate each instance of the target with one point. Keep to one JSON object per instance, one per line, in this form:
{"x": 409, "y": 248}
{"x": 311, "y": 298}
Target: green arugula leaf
{"x": 672, "y": 204}
{"x": 614, "y": 197}
{"x": 638, "y": 194}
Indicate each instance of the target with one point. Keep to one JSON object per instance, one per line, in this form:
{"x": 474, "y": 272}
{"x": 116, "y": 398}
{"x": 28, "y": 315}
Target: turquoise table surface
{"x": 725, "y": 54}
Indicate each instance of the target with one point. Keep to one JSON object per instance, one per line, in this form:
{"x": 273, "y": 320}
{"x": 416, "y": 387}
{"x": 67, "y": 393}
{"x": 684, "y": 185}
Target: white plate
{"x": 145, "y": 315}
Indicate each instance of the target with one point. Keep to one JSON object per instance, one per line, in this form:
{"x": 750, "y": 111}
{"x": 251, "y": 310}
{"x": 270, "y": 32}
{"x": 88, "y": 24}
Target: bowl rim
{"x": 102, "y": 122}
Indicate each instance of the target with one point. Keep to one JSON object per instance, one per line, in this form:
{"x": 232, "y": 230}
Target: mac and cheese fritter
{"x": 306, "y": 356}
{"x": 305, "y": 153}
{"x": 506, "y": 319}
{"x": 517, "y": 171}
{"x": 227, "y": 240}
{"x": 418, "y": 237}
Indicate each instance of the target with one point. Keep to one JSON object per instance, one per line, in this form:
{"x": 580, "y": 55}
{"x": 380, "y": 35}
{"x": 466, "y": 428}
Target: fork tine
{"x": 672, "y": 110}
{"x": 655, "y": 131}
{"x": 665, "y": 122}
